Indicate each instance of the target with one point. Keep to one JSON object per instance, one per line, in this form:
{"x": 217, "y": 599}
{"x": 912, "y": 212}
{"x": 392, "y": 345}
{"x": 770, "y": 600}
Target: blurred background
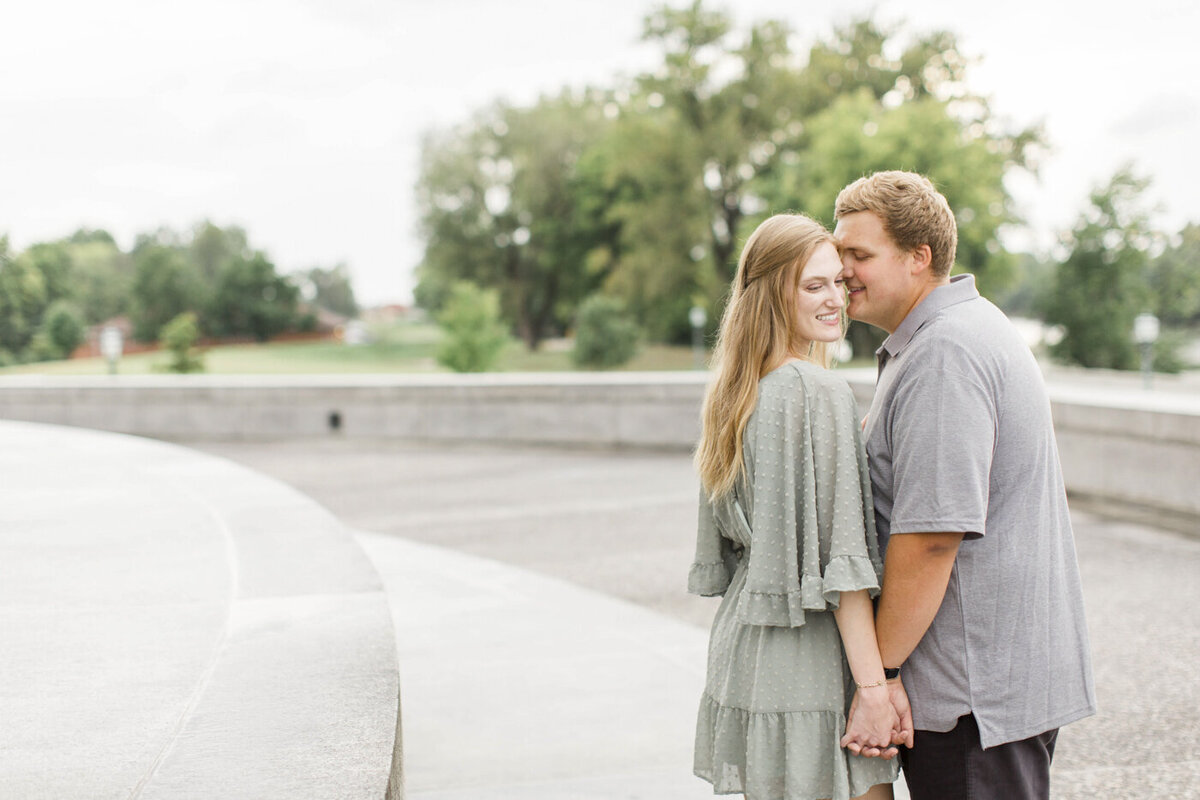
{"x": 318, "y": 186}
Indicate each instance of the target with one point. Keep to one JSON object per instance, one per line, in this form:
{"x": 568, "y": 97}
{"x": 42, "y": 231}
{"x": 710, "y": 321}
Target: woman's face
{"x": 820, "y": 297}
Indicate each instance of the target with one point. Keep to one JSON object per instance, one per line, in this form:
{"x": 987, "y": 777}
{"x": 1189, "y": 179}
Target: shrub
{"x": 473, "y": 332}
{"x": 605, "y": 334}
{"x": 61, "y": 331}
{"x": 179, "y": 337}
{"x": 1167, "y": 350}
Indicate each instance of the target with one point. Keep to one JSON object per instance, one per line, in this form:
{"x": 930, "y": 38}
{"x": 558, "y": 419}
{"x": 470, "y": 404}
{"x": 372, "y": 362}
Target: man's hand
{"x": 873, "y": 724}
{"x": 903, "y": 733}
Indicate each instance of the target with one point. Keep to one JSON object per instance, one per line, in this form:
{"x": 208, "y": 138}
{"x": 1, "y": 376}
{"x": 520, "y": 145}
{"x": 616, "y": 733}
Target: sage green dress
{"x": 797, "y": 530}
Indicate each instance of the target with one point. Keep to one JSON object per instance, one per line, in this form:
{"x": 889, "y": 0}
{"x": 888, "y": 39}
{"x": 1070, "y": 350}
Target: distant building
{"x": 394, "y": 312}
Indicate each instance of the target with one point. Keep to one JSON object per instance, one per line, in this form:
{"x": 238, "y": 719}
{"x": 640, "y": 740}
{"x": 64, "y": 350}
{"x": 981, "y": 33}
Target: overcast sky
{"x": 300, "y": 119}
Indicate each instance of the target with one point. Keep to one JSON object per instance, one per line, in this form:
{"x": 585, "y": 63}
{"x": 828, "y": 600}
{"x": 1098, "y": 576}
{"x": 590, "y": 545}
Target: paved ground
{"x": 444, "y": 522}
{"x": 174, "y": 626}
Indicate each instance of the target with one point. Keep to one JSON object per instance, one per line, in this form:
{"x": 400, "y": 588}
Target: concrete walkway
{"x": 516, "y": 685}
{"x": 175, "y": 626}
{"x": 547, "y": 648}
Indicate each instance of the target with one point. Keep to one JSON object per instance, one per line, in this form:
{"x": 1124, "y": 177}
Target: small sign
{"x": 112, "y": 344}
{"x": 1145, "y": 328}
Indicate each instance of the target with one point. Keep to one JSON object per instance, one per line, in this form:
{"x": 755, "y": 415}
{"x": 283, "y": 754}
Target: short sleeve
{"x": 943, "y": 432}
{"x": 712, "y": 568}
{"x": 812, "y": 517}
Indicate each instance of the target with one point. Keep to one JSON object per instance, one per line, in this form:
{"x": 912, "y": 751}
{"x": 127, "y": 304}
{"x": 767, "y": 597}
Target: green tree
{"x": 87, "y": 268}
{"x": 653, "y": 256}
{"x": 179, "y": 337}
{"x": 165, "y": 285}
{"x": 644, "y": 191}
{"x": 62, "y": 330}
{"x": 751, "y": 134}
{"x": 760, "y": 125}
{"x": 1175, "y": 279}
{"x": 735, "y": 124}
{"x": 1101, "y": 287}
{"x": 1026, "y": 295}
{"x": 473, "y": 333}
{"x": 605, "y": 334}
{"x": 252, "y": 299}
{"x": 211, "y": 249}
{"x": 101, "y": 276}
{"x": 499, "y": 208}
{"x": 22, "y": 301}
{"x": 53, "y": 260}
{"x": 332, "y": 289}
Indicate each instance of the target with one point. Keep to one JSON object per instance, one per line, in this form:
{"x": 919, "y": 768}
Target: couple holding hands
{"x": 902, "y": 585}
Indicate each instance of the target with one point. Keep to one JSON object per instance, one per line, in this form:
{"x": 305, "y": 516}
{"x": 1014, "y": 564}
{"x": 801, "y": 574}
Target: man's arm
{"x": 916, "y": 573}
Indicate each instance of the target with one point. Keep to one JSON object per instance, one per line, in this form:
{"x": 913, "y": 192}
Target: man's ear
{"x": 922, "y": 258}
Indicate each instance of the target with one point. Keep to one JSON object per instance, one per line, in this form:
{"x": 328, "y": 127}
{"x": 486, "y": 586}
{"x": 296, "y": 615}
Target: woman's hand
{"x": 874, "y": 724}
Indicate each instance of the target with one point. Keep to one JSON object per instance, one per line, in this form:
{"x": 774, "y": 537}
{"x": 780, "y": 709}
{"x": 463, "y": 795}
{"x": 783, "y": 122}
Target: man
{"x": 981, "y": 605}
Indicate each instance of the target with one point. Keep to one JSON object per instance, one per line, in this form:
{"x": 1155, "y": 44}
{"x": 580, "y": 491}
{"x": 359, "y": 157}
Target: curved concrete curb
{"x": 177, "y": 626}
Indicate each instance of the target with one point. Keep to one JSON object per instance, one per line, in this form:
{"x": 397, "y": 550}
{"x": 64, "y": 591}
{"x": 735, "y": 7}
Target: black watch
{"x": 891, "y": 672}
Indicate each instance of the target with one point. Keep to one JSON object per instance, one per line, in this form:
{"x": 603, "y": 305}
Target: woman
{"x": 787, "y": 534}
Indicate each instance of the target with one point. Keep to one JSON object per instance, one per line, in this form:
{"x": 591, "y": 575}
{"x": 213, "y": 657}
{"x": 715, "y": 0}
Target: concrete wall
{"x": 1133, "y": 451}
{"x": 1136, "y": 449}
{"x": 611, "y": 409}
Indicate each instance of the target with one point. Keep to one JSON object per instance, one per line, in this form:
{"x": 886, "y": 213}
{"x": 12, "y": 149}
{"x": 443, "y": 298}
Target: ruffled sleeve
{"x": 715, "y": 561}
{"x": 848, "y": 548}
{"x": 812, "y": 516}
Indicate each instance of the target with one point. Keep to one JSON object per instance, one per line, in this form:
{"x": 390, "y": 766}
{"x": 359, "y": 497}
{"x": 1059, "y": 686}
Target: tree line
{"x": 1118, "y": 264}
{"x": 642, "y": 191}
{"x": 52, "y": 291}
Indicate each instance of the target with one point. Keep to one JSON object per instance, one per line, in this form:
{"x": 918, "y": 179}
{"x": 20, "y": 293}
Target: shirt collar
{"x": 960, "y": 288}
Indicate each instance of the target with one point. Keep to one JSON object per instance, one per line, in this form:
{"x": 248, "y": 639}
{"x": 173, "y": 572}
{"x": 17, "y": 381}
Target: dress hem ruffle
{"x": 781, "y": 755}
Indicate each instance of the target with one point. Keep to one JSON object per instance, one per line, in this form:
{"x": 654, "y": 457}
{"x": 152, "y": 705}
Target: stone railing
{"x": 1133, "y": 450}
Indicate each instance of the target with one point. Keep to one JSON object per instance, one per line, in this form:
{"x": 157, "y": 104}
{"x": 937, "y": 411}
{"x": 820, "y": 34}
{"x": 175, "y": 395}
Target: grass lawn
{"x": 399, "y": 349}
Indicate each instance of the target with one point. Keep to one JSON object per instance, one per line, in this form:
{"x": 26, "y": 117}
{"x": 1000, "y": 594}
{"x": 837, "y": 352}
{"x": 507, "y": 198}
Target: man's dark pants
{"x": 954, "y": 766}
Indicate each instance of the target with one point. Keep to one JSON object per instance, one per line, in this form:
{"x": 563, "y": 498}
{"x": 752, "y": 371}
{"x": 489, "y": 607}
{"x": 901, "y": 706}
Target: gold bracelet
{"x": 872, "y": 685}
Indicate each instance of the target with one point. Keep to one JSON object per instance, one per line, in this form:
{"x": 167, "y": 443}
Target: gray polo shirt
{"x": 960, "y": 438}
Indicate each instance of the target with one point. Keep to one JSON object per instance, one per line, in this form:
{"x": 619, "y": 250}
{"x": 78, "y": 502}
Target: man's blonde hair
{"x": 912, "y": 211}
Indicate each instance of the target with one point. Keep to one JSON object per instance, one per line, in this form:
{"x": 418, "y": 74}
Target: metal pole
{"x": 1147, "y": 364}
{"x": 1145, "y": 333}
{"x": 697, "y": 316}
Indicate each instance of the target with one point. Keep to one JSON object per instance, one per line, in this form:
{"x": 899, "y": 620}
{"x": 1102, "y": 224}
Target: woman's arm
{"x": 873, "y": 718}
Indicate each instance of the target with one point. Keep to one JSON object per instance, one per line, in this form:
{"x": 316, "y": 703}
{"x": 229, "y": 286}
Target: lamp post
{"x": 1145, "y": 334}
{"x": 111, "y": 346}
{"x": 697, "y": 316}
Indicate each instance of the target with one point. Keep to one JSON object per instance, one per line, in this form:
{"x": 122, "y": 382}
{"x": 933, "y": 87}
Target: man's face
{"x": 878, "y": 275}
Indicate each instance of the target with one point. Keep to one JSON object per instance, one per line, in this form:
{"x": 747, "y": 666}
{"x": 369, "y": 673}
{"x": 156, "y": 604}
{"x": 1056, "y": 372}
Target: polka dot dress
{"x": 796, "y": 532}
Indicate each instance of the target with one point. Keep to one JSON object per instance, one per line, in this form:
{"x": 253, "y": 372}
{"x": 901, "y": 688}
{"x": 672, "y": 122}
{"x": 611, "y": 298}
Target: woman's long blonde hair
{"x": 758, "y": 332}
